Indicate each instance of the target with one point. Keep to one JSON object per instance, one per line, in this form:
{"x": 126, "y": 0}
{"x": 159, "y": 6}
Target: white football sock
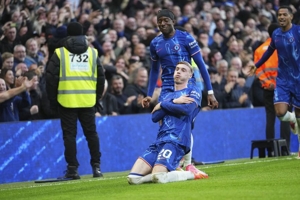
{"x": 173, "y": 176}
{"x": 137, "y": 179}
{"x": 289, "y": 117}
{"x": 188, "y": 157}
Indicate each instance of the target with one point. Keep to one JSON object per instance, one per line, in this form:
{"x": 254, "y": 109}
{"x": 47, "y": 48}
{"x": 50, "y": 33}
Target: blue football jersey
{"x": 288, "y": 49}
{"x": 169, "y": 51}
{"x": 176, "y": 127}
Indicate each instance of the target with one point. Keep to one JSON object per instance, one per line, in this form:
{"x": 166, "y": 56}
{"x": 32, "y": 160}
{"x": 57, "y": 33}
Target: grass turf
{"x": 269, "y": 178}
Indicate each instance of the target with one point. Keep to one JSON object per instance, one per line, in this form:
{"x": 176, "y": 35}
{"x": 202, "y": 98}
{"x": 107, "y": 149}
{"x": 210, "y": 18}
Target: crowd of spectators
{"x": 227, "y": 31}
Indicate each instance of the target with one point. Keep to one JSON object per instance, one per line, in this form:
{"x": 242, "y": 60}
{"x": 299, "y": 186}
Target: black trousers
{"x": 285, "y": 130}
{"x": 86, "y": 117}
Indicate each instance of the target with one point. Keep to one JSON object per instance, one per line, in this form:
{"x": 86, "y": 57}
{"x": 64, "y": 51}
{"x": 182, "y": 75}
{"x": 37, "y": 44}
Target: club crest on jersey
{"x": 176, "y": 47}
{"x": 291, "y": 39}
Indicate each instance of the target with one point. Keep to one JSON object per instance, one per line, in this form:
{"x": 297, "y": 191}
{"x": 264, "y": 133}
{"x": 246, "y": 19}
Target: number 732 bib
{"x": 79, "y": 62}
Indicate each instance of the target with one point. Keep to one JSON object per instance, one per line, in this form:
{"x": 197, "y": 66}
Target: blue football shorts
{"x": 166, "y": 154}
{"x": 287, "y": 94}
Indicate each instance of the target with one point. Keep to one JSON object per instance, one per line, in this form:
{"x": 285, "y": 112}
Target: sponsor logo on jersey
{"x": 193, "y": 44}
{"x": 195, "y": 94}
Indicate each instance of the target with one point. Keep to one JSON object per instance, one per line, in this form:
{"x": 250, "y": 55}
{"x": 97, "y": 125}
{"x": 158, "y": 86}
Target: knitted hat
{"x": 74, "y": 29}
{"x": 165, "y": 13}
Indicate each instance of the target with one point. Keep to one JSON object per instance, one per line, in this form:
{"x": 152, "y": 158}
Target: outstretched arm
{"x": 261, "y": 61}
{"x": 11, "y": 93}
{"x": 212, "y": 102}
{"x": 154, "y": 72}
{"x": 202, "y": 68}
{"x": 265, "y": 57}
{"x": 15, "y": 91}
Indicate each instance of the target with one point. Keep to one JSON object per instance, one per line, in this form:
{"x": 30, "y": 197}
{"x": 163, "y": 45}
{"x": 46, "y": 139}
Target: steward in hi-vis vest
{"x": 74, "y": 75}
{"x": 77, "y": 78}
{"x": 74, "y": 83}
{"x": 267, "y": 73}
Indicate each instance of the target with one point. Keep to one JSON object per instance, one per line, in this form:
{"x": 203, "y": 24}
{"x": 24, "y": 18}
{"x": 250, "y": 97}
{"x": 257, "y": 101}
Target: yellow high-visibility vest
{"x": 77, "y": 78}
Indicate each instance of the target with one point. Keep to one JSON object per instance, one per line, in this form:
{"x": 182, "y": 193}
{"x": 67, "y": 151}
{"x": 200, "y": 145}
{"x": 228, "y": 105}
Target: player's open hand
{"x": 212, "y": 101}
{"x": 252, "y": 70}
{"x": 28, "y": 84}
{"x": 146, "y": 102}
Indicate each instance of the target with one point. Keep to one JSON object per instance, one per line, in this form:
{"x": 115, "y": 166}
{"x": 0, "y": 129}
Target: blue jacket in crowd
{"x": 9, "y": 110}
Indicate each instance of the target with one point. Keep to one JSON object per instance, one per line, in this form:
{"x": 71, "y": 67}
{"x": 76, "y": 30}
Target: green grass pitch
{"x": 267, "y": 178}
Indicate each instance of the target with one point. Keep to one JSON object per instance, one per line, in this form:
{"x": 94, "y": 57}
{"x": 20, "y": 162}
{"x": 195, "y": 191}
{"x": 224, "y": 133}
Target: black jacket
{"x": 231, "y": 99}
{"x": 134, "y": 90}
{"x": 76, "y": 45}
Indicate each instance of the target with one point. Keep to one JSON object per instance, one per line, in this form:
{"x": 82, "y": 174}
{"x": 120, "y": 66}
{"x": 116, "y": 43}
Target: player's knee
{"x": 282, "y": 116}
{"x": 134, "y": 180}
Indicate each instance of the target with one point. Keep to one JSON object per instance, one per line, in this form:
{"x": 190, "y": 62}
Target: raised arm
{"x": 268, "y": 53}
{"x": 202, "y": 68}
{"x": 11, "y": 93}
{"x": 154, "y": 73}
{"x": 15, "y": 91}
{"x": 265, "y": 57}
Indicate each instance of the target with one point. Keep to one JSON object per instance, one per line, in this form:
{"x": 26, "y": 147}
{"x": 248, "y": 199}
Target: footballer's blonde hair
{"x": 186, "y": 64}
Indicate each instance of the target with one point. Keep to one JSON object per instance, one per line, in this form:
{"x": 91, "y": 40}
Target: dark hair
{"x": 116, "y": 77}
{"x": 212, "y": 53}
{"x": 212, "y": 70}
{"x": 3, "y": 74}
{"x": 165, "y": 13}
{"x": 30, "y": 74}
{"x": 285, "y": 7}
{"x": 132, "y": 60}
{"x": 272, "y": 28}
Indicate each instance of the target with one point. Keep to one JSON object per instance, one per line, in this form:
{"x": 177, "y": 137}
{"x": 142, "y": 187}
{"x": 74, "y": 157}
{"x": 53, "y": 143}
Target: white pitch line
{"x": 124, "y": 177}
{"x": 245, "y": 163}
